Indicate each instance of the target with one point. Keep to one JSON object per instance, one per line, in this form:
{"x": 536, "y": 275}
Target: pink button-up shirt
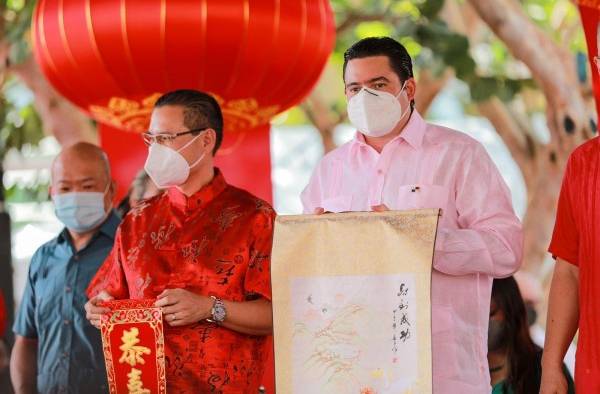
{"x": 479, "y": 236}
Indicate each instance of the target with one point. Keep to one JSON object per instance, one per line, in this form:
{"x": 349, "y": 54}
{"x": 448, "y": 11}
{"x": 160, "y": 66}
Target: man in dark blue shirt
{"x": 53, "y": 337}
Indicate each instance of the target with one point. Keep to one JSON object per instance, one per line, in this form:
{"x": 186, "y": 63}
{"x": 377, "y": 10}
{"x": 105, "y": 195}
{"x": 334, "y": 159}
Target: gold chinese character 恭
{"x": 135, "y": 384}
{"x": 132, "y": 352}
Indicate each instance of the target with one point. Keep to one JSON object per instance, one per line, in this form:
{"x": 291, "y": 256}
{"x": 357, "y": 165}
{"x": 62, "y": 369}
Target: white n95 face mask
{"x": 167, "y": 167}
{"x": 375, "y": 113}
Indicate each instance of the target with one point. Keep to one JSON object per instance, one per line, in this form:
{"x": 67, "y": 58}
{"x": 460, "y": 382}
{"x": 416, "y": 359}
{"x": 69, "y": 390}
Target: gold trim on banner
{"x": 142, "y": 315}
{"x": 133, "y": 115}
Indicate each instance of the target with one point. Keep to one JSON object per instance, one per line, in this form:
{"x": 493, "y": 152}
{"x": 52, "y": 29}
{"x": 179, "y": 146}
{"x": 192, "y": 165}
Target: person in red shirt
{"x": 575, "y": 290}
{"x": 202, "y": 249}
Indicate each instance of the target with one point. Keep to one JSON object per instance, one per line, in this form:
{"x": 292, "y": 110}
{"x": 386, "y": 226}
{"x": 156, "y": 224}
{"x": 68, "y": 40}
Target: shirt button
{"x": 65, "y": 354}
{"x": 380, "y": 172}
{"x": 68, "y": 289}
{"x": 76, "y": 257}
{"x": 67, "y": 322}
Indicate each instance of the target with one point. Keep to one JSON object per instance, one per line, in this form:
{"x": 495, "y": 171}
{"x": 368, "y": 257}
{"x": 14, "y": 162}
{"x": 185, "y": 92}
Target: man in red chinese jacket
{"x": 202, "y": 249}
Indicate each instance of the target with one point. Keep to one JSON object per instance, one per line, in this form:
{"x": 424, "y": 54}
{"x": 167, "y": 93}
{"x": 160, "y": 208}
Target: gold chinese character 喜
{"x": 135, "y": 384}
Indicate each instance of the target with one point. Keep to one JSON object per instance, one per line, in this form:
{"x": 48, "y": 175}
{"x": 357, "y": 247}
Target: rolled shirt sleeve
{"x": 258, "y": 274}
{"x": 565, "y": 238}
{"x": 489, "y": 239}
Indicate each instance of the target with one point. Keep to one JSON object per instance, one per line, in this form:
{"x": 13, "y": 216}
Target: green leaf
{"x": 431, "y": 8}
{"x": 372, "y": 29}
{"x": 15, "y": 5}
{"x": 451, "y": 47}
{"x": 483, "y": 88}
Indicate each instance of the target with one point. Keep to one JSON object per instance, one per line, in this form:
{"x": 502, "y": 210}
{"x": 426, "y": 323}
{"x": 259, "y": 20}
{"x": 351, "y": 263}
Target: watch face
{"x": 219, "y": 312}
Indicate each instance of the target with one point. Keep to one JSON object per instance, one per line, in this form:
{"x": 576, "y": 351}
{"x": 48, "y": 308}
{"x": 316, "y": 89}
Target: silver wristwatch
{"x": 218, "y": 312}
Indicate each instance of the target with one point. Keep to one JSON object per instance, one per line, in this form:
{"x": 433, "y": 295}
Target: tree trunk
{"x": 552, "y": 67}
{"x": 428, "y": 87}
{"x": 59, "y": 117}
{"x": 323, "y": 118}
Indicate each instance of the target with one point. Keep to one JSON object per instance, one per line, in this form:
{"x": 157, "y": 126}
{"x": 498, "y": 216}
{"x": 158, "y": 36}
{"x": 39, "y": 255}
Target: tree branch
{"x": 323, "y": 118}
{"x": 510, "y": 132}
{"x": 428, "y": 87}
{"x": 551, "y": 66}
{"x": 59, "y": 117}
{"x": 353, "y": 18}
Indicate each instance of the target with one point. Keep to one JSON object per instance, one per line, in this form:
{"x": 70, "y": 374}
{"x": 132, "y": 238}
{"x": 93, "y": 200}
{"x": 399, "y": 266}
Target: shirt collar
{"x": 202, "y": 197}
{"x": 413, "y": 132}
{"x": 108, "y": 228}
{"x": 110, "y": 225}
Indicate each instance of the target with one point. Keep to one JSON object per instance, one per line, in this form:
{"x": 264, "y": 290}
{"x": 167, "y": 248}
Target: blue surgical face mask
{"x": 80, "y": 211}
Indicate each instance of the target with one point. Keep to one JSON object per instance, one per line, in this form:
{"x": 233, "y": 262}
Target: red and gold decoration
{"x": 133, "y": 345}
{"x": 590, "y": 17}
{"x": 113, "y": 58}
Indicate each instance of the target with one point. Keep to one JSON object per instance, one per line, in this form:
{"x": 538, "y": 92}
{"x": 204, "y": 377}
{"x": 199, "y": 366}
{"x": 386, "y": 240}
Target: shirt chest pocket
{"x": 421, "y": 196}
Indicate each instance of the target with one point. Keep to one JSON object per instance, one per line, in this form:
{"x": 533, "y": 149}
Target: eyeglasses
{"x": 166, "y": 138}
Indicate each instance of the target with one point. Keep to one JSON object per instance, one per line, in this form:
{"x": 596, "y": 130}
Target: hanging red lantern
{"x": 114, "y": 58}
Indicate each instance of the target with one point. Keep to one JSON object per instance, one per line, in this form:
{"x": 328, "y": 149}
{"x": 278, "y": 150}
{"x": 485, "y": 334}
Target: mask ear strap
{"x": 108, "y": 185}
{"x": 408, "y": 107}
{"x": 198, "y": 161}
{"x": 189, "y": 143}
{"x": 401, "y": 89}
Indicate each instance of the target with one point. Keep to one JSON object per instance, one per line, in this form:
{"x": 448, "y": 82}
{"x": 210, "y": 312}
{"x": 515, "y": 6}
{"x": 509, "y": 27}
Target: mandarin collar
{"x": 202, "y": 197}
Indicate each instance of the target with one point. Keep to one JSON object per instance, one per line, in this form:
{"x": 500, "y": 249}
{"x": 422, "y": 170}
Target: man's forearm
{"x": 478, "y": 251}
{"x": 250, "y": 317}
{"x": 563, "y": 313}
{"x": 23, "y": 366}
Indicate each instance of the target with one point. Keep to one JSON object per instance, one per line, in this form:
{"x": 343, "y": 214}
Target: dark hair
{"x": 521, "y": 351}
{"x": 199, "y": 110}
{"x": 397, "y": 54}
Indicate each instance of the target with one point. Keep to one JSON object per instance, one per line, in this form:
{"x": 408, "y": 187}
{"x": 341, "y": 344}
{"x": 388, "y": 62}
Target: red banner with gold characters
{"x": 133, "y": 345}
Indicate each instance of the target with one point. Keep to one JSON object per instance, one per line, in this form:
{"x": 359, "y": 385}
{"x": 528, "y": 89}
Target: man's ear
{"x": 411, "y": 89}
{"x": 209, "y": 139}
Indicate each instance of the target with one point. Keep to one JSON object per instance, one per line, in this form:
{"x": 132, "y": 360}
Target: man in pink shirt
{"x": 398, "y": 161}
